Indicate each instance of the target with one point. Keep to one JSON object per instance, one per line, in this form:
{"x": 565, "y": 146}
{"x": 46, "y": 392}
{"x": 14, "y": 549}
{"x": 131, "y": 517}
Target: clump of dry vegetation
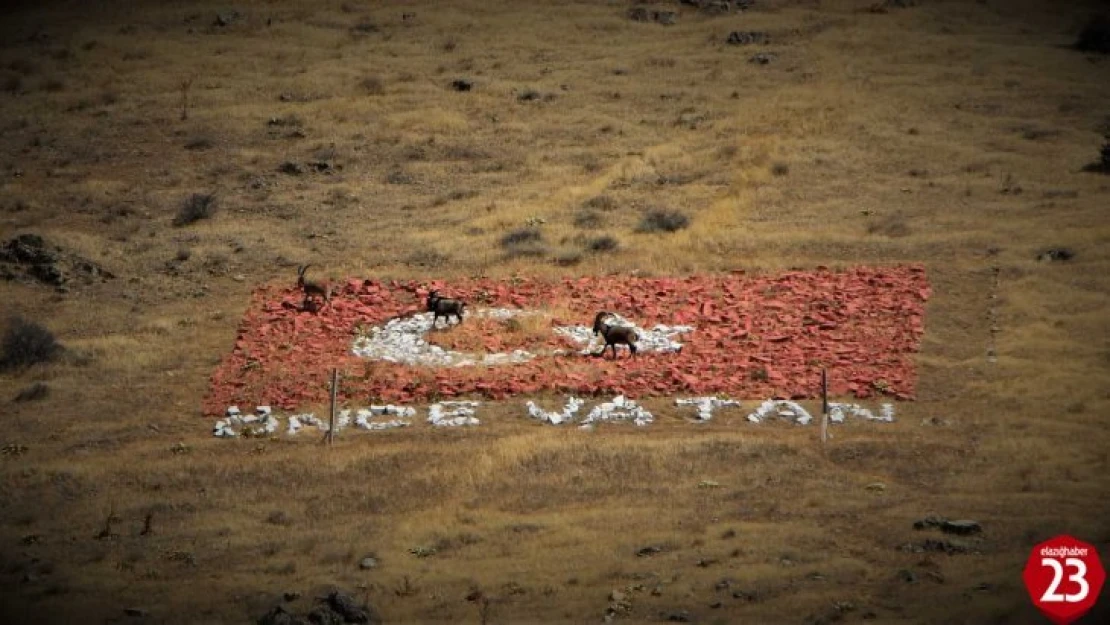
{"x": 1095, "y": 35}
{"x": 196, "y": 207}
{"x": 663, "y": 220}
{"x": 26, "y": 343}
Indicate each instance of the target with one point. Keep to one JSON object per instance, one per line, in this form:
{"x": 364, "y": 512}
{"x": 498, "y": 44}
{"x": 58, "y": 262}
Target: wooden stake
{"x": 334, "y": 392}
{"x": 824, "y": 407}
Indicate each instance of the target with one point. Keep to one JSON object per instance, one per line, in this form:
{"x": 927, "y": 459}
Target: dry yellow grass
{"x": 951, "y": 133}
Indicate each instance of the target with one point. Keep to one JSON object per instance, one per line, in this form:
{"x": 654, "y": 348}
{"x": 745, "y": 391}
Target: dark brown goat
{"x": 313, "y": 288}
{"x": 445, "y": 307}
{"x": 614, "y": 335}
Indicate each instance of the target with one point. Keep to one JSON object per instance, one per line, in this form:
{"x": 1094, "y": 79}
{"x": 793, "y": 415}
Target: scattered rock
{"x": 462, "y": 84}
{"x": 681, "y": 616}
{"x": 324, "y": 615}
{"x": 529, "y": 95}
{"x": 886, "y": 5}
{"x": 746, "y": 37}
{"x": 650, "y": 550}
{"x": 962, "y": 527}
{"x": 351, "y": 611}
{"x": 279, "y": 616}
{"x": 291, "y": 168}
{"x": 1056, "y": 254}
{"x": 928, "y": 545}
{"x": 139, "y": 612}
{"x": 227, "y": 18}
{"x": 29, "y": 258}
{"x": 644, "y": 14}
{"x": 368, "y": 563}
{"x": 690, "y": 119}
{"x": 762, "y": 58}
{"x": 876, "y": 487}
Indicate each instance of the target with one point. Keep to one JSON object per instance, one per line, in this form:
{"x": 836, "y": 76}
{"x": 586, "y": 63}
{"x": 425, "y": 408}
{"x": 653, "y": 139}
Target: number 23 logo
{"x": 1079, "y": 577}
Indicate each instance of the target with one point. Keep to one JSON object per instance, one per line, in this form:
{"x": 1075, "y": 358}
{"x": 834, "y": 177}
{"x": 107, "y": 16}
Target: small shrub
{"x": 780, "y": 169}
{"x": 23, "y": 66}
{"x": 35, "y": 392}
{"x": 1102, "y": 165}
{"x": 663, "y": 221}
{"x": 589, "y": 219}
{"x": 427, "y": 258}
{"x": 568, "y": 258}
{"x": 601, "y": 202}
{"x": 11, "y": 83}
{"x": 279, "y": 517}
{"x": 198, "y": 206}
{"x": 52, "y": 85}
{"x": 1095, "y": 36}
{"x": 364, "y": 27}
{"x": 372, "y": 85}
{"x": 521, "y": 236}
{"x": 27, "y": 343}
{"x": 198, "y": 143}
{"x": 604, "y": 243}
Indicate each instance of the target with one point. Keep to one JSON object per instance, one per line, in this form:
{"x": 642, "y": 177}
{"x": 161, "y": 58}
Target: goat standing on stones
{"x": 614, "y": 335}
{"x": 445, "y": 307}
{"x": 312, "y": 288}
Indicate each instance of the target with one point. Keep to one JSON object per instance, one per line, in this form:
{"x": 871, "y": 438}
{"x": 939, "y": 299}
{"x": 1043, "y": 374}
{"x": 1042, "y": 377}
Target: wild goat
{"x": 445, "y": 307}
{"x": 312, "y": 288}
{"x": 614, "y": 335}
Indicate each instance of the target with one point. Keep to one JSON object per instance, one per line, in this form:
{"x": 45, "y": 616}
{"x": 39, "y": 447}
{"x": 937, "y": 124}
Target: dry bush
{"x": 604, "y": 243}
{"x": 893, "y": 226}
{"x": 196, "y": 207}
{"x": 27, "y": 343}
{"x": 589, "y": 219}
{"x": 11, "y": 83}
{"x": 601, "y": 202}
{"x": 1095, "y": 36}
{"x": 663, "y": 220}
{"x": 372, "y": 85}
{"x": 524, "y": 242}
{"x": 1102, "y": 165}
{"x": 35, "y": 392}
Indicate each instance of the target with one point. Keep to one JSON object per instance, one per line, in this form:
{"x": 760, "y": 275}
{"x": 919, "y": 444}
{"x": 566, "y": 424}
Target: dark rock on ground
{"x": 961, "y": 527}
{"x": 746, "y": 37}
{"x": 462, "y": 84}
{"x": 1056, "y": 253}
{"x": 280, "y": 616}
{"x": 934, "y": 545}
{"x": 227, "y": 18}
{"x": 29, "y": 258}
{"x": 1095, "y": 36}
{"x": 351, "y": 611}
{"x": 644, "y": 14}
{"x": 649, "y": 550}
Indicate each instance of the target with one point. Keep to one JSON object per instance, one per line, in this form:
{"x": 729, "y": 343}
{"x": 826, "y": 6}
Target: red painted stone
{"x": 865, "y": 323}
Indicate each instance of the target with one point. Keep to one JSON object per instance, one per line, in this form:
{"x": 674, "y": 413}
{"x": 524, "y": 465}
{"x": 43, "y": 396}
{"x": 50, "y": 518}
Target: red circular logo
{"x": 1064, "y": 577}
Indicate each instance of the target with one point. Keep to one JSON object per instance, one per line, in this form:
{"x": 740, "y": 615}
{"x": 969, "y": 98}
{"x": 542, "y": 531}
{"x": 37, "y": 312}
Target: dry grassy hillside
{"x": 953, "y": 133}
